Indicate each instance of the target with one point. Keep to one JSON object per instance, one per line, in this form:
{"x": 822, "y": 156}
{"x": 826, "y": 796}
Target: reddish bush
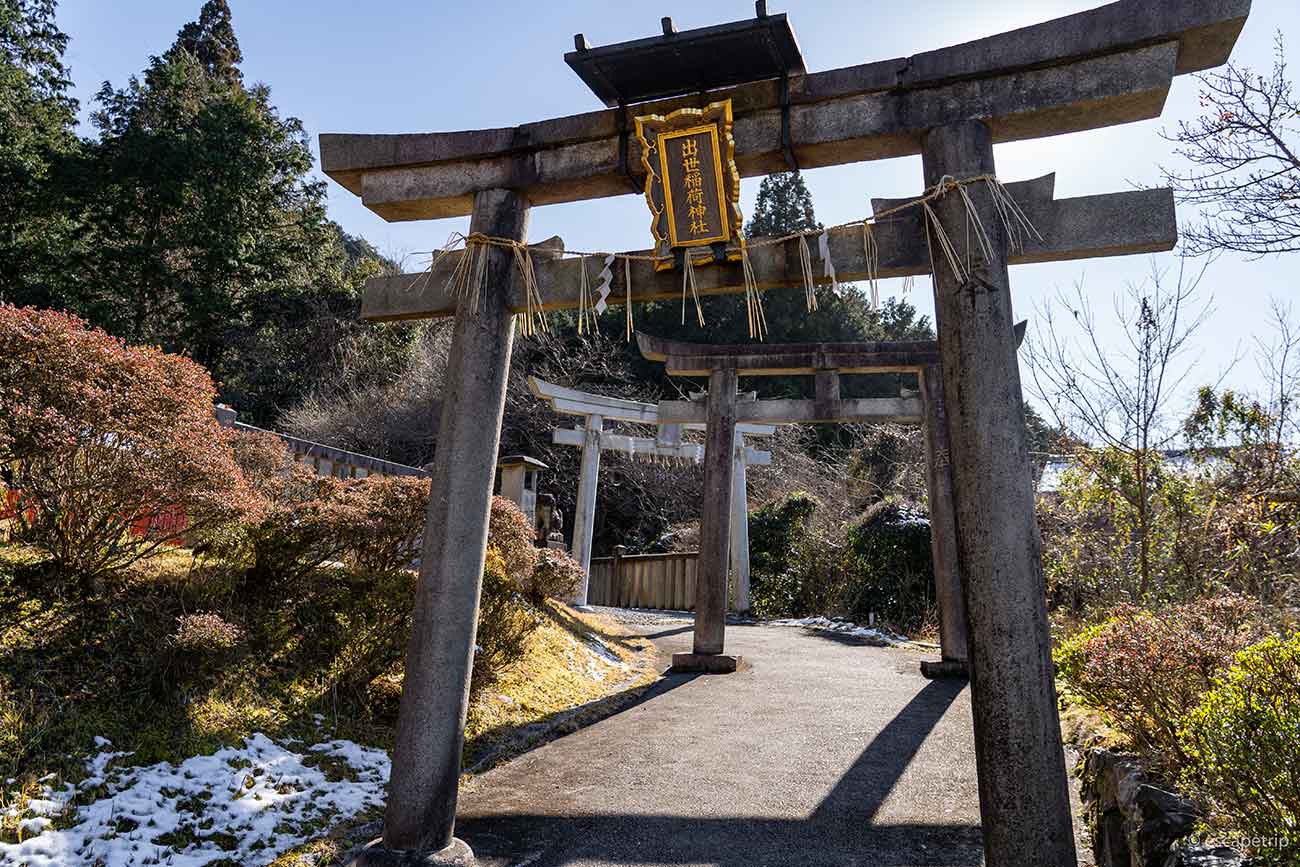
{"x": 389, "y": 521}
{"x": 306, "y": 522}
{"x": 511, "y": 534}
{"x": 1148, "y": 671}
{"x": 100, "y": 437}
{"x": 263, "y": 458}
{"x": 205, "y": 632}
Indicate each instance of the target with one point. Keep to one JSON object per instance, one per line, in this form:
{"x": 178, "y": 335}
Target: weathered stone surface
{"x": 715, "y": 517}
{"x": 423, "y": 787}
{"x": 788, "y": 359}
{"x": 870, "y": 410}
{"x": 1207, "y": 856}
{"x": 458, "y": 854}
{"x": 1024, "y": 796}
{"x": 706, "y": 663}
{"x": 1097, "y": 68}
{"x": 944, "y": 668}
{"x": 954, "y": 632}
{"x": 1134, "y": 823}
{"x": 1114, "y": 224}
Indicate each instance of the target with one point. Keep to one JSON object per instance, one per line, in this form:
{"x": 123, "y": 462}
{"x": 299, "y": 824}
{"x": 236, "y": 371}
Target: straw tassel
{"x": 688, "y": 282}
{"x": 534, "y": 317}
{"x": 945, "y": 244}
{"x": 805, "y": 266}
{"x": 467, "y": 278}
{"x": 586, "y": 312}
{"x": 627, "y": 290}
{"x": 753, "y": 300}
{"x": 871, "y": 255}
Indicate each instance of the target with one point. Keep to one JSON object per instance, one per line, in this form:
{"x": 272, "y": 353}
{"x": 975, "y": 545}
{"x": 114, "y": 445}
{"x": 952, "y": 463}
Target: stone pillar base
{"x": 946, "y": 668}
{"x": 705, "y": 663}
{"x": 458, "y": 854}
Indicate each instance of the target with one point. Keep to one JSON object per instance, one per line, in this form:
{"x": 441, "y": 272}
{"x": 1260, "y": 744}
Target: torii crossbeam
{"x": 1107, "y": 66}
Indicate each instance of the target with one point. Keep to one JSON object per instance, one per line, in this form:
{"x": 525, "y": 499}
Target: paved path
{"x": 821, "y": 753}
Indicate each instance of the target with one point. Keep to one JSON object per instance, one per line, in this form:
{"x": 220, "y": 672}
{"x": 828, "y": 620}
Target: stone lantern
{"x": 517, "y": 481}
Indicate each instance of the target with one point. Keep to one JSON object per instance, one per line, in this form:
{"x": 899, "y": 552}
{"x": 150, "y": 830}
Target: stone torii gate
{"x": 592, "y": 438}
{"x": 724, "y": 409}
{"x": 1106, "y": 66}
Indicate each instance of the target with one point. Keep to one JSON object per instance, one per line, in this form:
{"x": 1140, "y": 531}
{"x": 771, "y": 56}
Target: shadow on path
{"x": 841, "y": 831}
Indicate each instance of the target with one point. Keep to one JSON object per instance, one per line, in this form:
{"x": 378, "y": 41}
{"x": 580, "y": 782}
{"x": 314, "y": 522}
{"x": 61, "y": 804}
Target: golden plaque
{"x": 692, "y": 185}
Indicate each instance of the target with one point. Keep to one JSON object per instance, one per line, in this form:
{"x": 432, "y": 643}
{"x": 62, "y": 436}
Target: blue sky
{"x": 417, "y": 65}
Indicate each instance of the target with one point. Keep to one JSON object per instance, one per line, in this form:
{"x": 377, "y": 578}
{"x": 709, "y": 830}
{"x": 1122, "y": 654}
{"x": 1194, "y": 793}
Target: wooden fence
{"x": 662, "y": 581}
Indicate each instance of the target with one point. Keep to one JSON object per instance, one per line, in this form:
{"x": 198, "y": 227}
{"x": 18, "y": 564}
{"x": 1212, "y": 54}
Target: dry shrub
{"x": 205, "y": 632}
{"x": 1147, "y": 671}
{"x": 389, "y": 517}
{"x": 113, "y": 449}
{"x": 556, "y": 576}
{"x": 304, "y": 522}
{"x": 511, "y": 534}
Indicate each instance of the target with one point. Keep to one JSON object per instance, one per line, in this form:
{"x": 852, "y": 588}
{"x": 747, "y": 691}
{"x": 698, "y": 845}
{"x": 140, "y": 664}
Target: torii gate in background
{"x": 592, "y": 438}
{"x": 721, "y": 409}
{"x": 1106, "y": 66}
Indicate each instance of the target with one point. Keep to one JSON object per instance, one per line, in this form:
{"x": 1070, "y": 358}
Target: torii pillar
{"x": 595, "y": 410}
{"x": 739, "y": 528}
{"x": 954, "y": 630}
{"x": 715, "y": 530}
{"x": 584, "y": 514}
{"x": 1024, "y": 796}
{"x": 423, "y": 788}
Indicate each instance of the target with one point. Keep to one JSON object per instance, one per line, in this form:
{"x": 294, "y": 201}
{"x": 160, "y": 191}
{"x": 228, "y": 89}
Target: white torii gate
{"x": 592, "y": 438}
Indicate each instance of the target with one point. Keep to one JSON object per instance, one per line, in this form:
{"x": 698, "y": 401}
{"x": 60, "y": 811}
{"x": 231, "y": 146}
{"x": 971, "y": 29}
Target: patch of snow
{"x": 34, "y": 825}
{"x": 843, "y": 627}
{"x": 247, "y": 805}
{"x": 603, "y": 650}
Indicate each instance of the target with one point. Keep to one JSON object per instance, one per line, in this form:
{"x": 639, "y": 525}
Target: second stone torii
{"x": 592, "y": 438}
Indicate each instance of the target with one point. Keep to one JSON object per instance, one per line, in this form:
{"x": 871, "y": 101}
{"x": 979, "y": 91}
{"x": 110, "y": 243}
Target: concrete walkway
{"x": 821, "y": 753}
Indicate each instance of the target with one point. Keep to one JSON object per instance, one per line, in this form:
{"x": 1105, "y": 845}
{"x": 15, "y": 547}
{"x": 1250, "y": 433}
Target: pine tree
{"x": 784, "y": 205}
{"x": 212, "y": 42}
{"x": 208, "y": 234}
{"x": 37, "y": 140}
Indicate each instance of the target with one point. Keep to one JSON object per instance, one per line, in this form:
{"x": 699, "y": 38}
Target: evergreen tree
{"x": 37, "y": 140}
{"x": 207, "y": 233}
{"x": 211, "y": 41}
{"x": 784, "y": 205}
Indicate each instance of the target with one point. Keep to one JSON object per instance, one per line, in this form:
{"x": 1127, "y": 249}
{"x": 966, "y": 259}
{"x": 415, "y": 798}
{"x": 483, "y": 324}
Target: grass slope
{"x": 314, "y": 664}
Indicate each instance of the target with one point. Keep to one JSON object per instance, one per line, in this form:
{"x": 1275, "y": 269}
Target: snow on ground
{"x": 594, "y": 657}
{"x": 844, "y": 627}
{"x": 239, "y": 807}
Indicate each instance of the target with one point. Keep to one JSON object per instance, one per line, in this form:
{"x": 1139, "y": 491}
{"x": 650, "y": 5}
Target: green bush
{"x": 505, "y": 621}
{"x": 889, "y": 567}
{"x": 779, "y": 536}
{"x": 1147, "y": 671}
{"x": 1243, "y": 746}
